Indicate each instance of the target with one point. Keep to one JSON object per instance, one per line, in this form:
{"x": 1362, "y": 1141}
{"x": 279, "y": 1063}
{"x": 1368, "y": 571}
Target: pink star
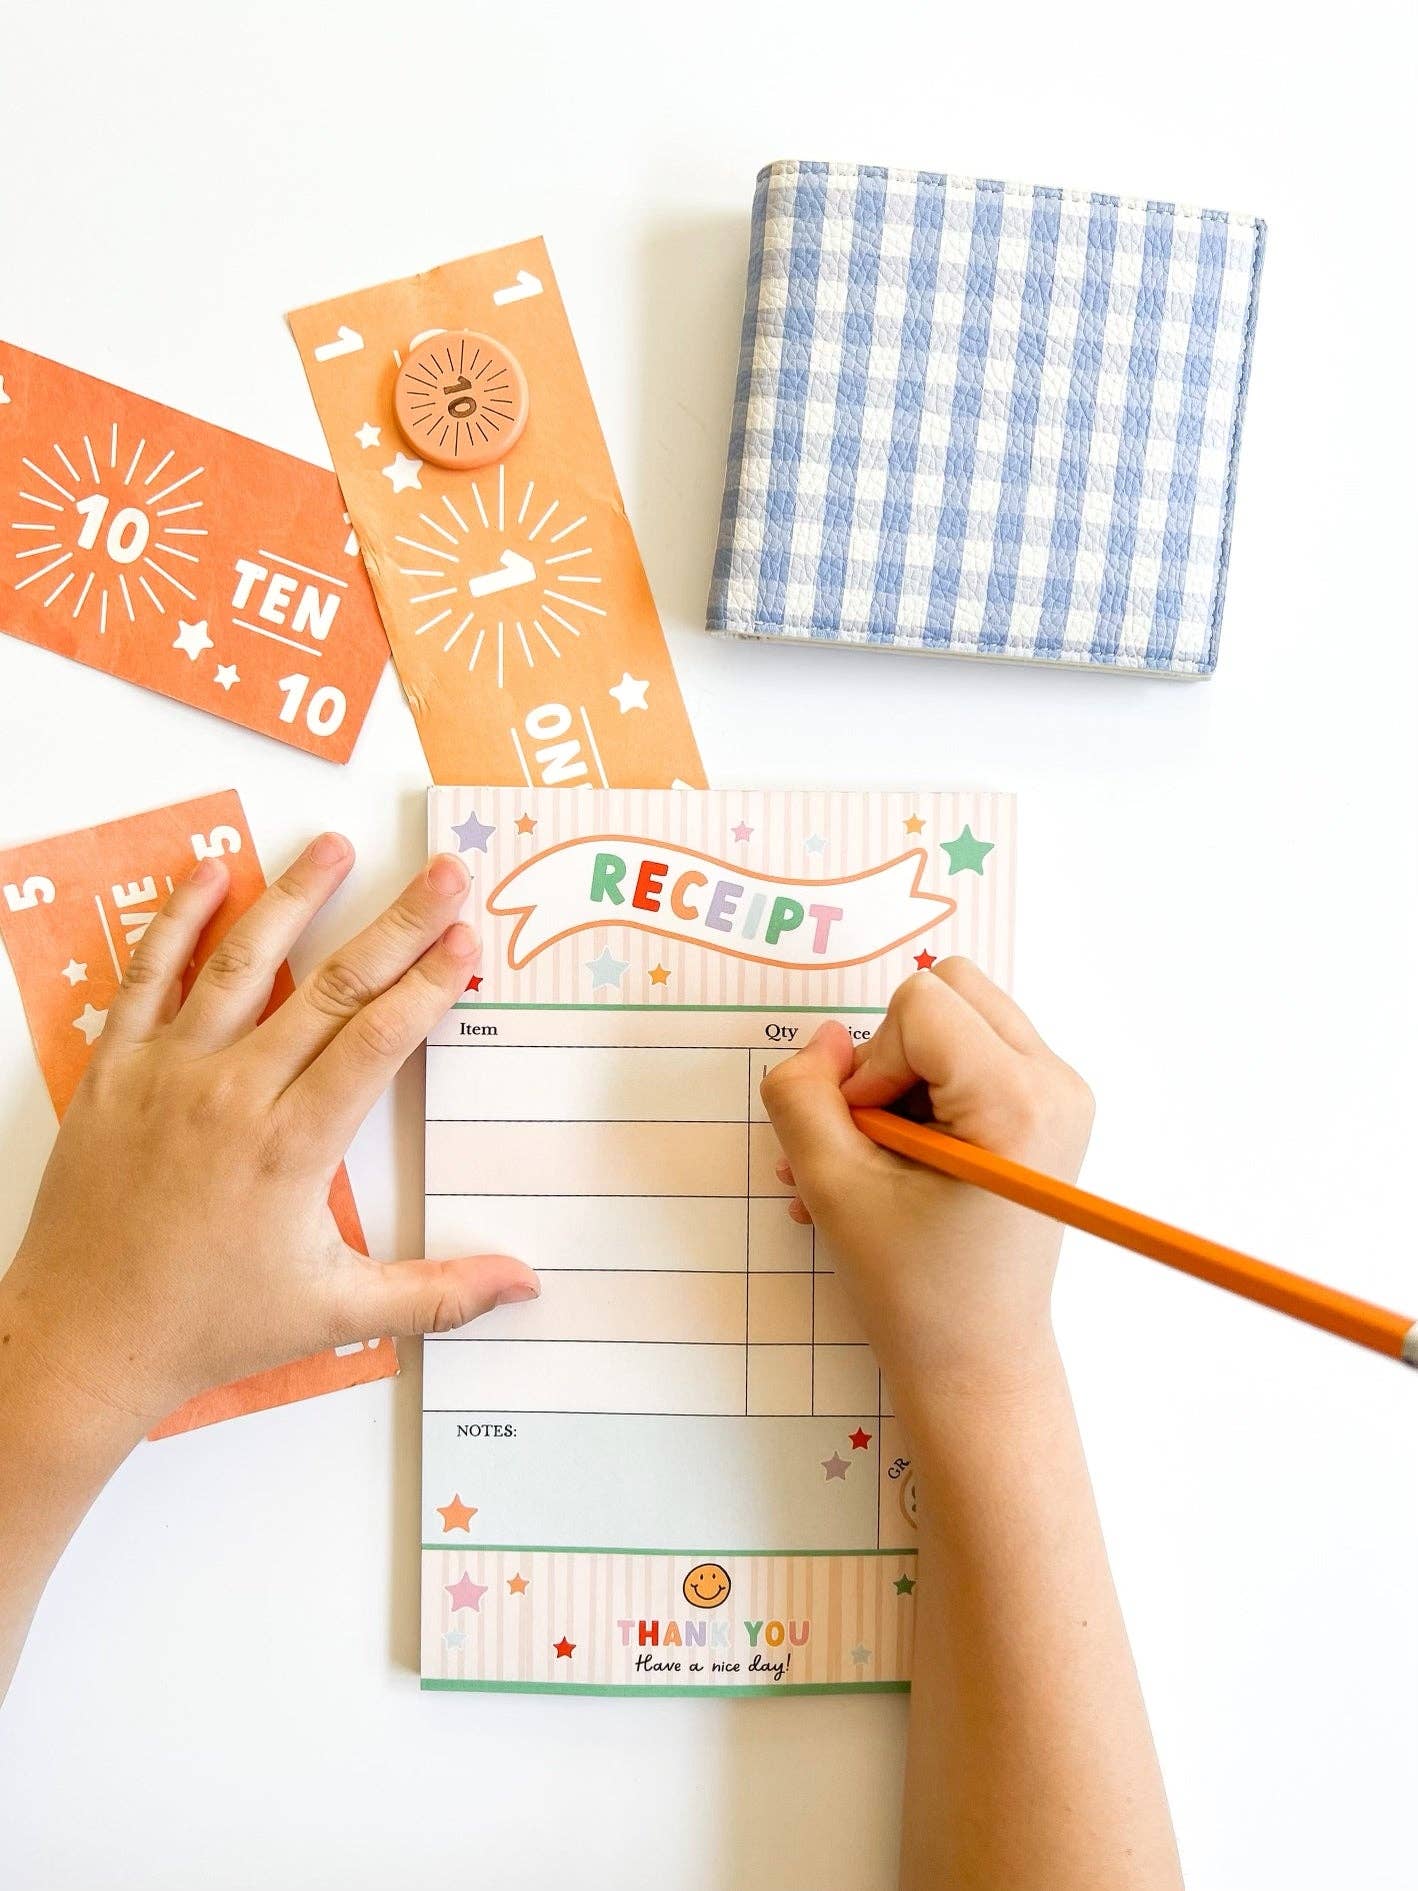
{"x": 465, "y": 1593}
{"x": 743, "y": 831}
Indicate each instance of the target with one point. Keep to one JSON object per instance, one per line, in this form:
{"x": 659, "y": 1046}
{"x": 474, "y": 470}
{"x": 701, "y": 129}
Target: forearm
{"x": 1030, "y": 1763}
{"x": 59, "y": 1445}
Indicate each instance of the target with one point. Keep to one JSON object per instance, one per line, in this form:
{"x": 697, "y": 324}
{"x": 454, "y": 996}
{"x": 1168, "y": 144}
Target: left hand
{"x": 183, "y": 1234}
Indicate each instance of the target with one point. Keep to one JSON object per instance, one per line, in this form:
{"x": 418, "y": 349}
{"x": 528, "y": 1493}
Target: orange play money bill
{"x": 477, "y": 478}
{"x": 71, "y": 911}
{"x": 176, "y": 555}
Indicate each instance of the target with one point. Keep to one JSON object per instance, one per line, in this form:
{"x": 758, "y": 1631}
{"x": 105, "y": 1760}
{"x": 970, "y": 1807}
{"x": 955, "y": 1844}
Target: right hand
{"x": 951, "y": 1284}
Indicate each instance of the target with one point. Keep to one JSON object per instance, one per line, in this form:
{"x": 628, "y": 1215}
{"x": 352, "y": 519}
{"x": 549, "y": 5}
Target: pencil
{"x": 1326, "y": 1307}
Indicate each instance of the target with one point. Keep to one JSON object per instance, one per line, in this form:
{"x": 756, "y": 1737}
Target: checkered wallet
{"x": 986, "y": 420}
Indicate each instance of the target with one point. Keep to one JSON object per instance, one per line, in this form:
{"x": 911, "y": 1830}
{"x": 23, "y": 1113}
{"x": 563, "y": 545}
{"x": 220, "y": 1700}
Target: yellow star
{"x": 659, "y": 975}
{"x": 525, "y": 824}
{"x": 457, "y": 1515}
{"x": 914, "y": 824}
{"x": 516, "y": 1585}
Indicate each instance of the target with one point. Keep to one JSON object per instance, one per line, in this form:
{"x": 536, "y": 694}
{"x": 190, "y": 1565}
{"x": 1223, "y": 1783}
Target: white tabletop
{"x": 1217, "y": 916}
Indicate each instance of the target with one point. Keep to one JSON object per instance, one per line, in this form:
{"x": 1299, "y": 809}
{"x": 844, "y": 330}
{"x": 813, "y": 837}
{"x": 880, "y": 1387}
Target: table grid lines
{"x": 643, "y": 1188}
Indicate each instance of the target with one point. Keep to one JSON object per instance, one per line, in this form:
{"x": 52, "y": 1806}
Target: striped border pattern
{"x": 844, "y": 1621}
{"x": 986, "y": 419}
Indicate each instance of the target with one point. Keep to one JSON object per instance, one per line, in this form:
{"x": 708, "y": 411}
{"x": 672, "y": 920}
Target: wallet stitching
{"x": 938, "y": 180}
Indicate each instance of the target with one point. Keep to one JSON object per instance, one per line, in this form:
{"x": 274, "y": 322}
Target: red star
{"x": 564, "y": 1649}
{"x": 925, "y": 960}
{"x": 474, "y": 983}
{"x": 860, "y": 1439}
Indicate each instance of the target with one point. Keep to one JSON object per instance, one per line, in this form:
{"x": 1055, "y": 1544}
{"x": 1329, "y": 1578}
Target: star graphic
{"x": 226, "y": 675}
{"x": 814, "y": 843}
{"x": 525, "y": 824}
{"x": 91, "y": 1023}
{"x": 454, "y": 1637}
{"x": 475, "y": 983}
{"x": 606, "y": 969}
{"x": 402, "y": 472}
{"x": 367, "y": 435}
{"x": 659, "y": 975}
{"x": 743, "y": 831}
{"x": 860, "y": 1656}
{"x": 564, "y": 1649}
{"x": 925, "y": 960}
{"x": 629, "y": 692}
{"x": 967, "y": 855}
{"x": 74, "y": 972}
{"x": 473, "y": 833}
{"x": 860, "y": 1439}
{"x": 903, "y": 1584}
{"x": 465, "y": 1593}
{"x": 457, "y": 1515}
{"x": 516, "y": 1585}
{"x": 914, "y": 824}
{"x": 192, "y": 639}
{"x": 835, "y": 1467}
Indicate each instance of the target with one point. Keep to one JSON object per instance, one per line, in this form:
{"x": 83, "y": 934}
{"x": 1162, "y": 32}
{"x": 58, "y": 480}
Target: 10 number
{"x": 323, "y": 713}
{"x": 127, "y": 538}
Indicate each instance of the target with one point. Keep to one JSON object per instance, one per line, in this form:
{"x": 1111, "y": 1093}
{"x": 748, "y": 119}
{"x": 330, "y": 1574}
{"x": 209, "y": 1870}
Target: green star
{"x": 904, "y": 1585}
{"x": 967, "y": 855}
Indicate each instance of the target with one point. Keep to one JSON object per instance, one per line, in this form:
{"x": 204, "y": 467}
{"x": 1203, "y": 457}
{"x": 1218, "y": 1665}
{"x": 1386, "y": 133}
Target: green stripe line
{"x": 768, "y": 1688}
{"x": 822, "y": 1011}
{"x": 621, "y": 1549}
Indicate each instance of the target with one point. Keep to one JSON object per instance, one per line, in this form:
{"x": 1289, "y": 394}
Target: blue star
{"x": 453, "y": 1637}
{"x": 814, "y": 843}
{"x": 473, "y": 833}
{"x": 861, "y": 1655}
{"x": 606, "y": 969}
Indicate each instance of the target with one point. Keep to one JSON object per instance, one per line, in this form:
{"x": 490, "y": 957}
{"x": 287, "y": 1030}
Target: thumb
{"x": 803, "y": 1097}
{"x": 409, "y": 1297}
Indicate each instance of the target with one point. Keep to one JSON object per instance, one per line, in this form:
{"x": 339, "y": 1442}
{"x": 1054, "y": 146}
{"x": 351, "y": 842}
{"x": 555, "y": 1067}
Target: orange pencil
{"x": 1326, "y": 1307}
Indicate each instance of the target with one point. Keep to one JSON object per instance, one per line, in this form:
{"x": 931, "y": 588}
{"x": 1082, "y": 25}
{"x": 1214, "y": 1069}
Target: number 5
{"x": 36, "y": 891}
{"x": 221, "y": 840}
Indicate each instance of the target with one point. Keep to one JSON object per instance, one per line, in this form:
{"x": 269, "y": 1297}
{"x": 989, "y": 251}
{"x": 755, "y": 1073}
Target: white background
{"x": 1217, "y": 916}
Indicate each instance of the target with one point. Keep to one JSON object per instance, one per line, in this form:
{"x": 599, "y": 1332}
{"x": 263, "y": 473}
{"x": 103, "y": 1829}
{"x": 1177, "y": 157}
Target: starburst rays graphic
{"x": 489, "y": 403}
{"x": 507, "y": 577}
{"x": 111, "y": 527}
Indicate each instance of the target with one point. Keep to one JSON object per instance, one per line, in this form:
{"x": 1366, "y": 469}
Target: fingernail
{"x": 782, "y": 1170}
{"x": 448, "y": 875}
{"x": 206, "y": 871}
{"x": 329, "y": 848}
{"x": 510, "y": 1296}
{"x": 461, "y": 940}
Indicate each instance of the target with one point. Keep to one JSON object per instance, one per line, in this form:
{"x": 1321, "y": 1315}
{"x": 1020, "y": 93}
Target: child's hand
{"x": 183, "y": 1236}
{"x": 951, "y": 1284}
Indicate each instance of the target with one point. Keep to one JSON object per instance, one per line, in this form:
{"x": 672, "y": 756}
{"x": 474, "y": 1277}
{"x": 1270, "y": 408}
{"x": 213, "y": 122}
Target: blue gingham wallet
{"x": 986, "y": 420}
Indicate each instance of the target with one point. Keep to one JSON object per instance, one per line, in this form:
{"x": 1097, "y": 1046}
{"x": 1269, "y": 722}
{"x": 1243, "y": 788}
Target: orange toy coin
{"x": 461, "y": 399}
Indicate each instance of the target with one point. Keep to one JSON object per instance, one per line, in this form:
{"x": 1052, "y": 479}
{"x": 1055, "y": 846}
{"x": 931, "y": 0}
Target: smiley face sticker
{"x": 707, "y": 1585}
